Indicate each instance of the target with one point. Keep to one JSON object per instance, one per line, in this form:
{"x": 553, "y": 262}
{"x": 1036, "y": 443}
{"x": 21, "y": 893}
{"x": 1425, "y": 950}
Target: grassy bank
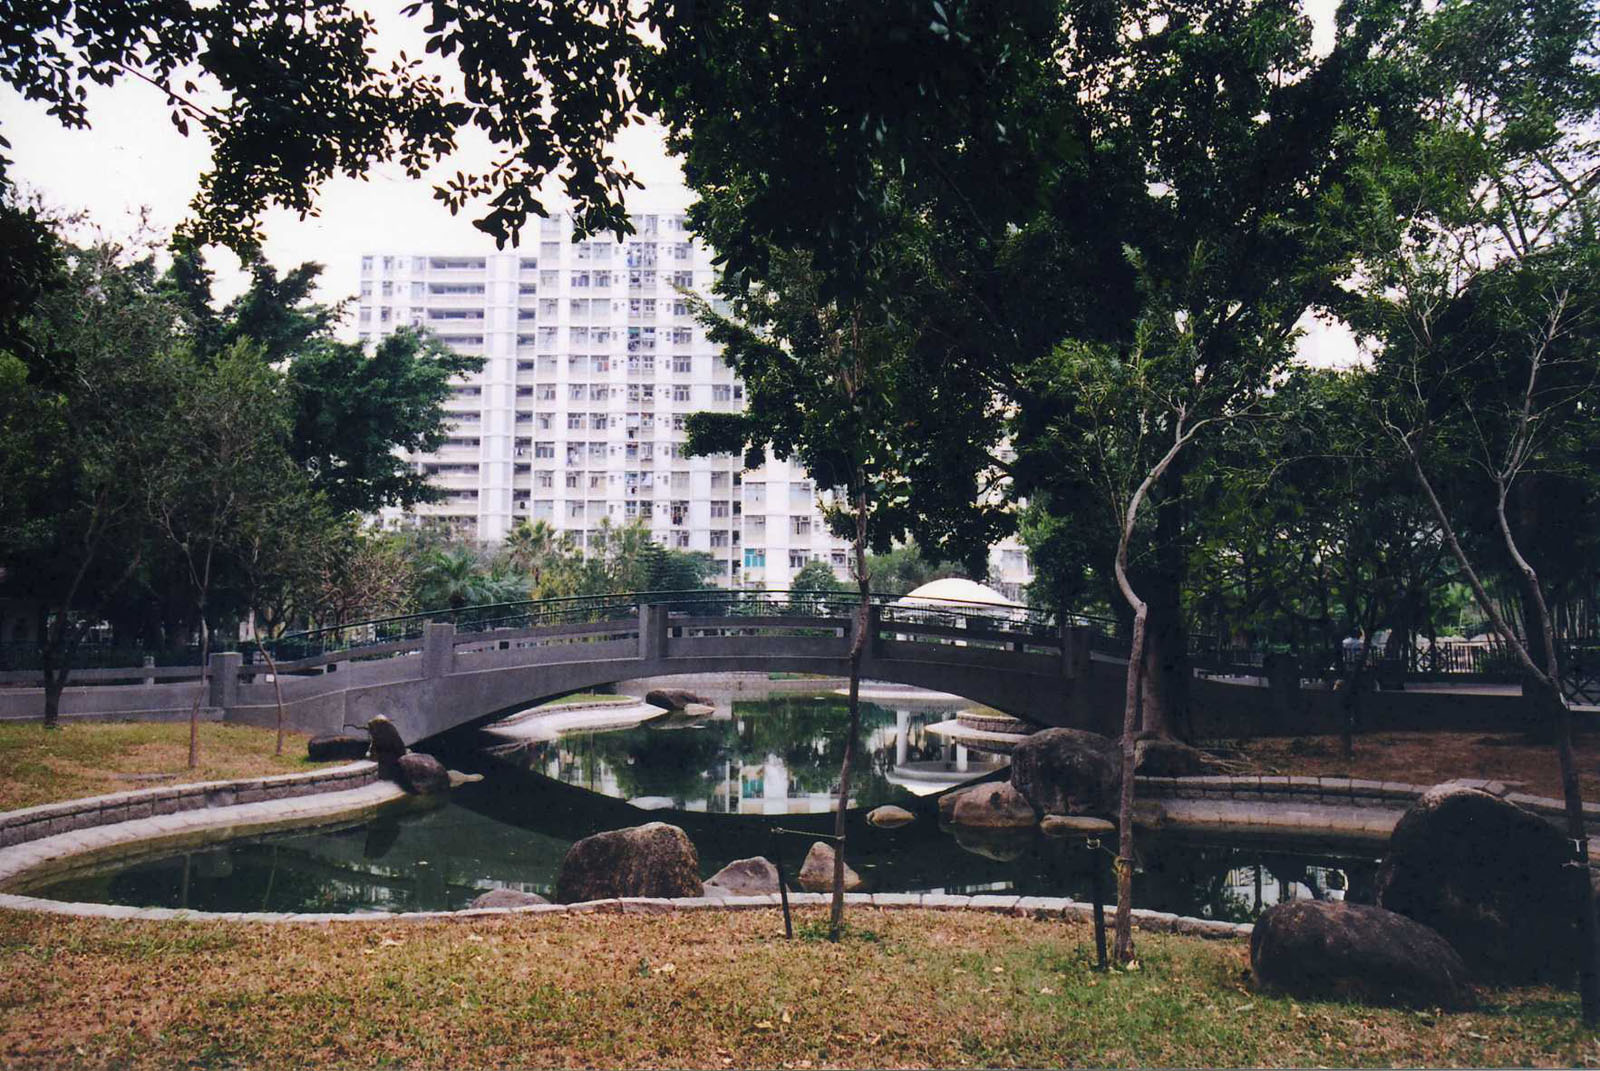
{"x": 1428, "y": 758}
{"x": 697, "y": 990}
{"x": 88, "y": 759}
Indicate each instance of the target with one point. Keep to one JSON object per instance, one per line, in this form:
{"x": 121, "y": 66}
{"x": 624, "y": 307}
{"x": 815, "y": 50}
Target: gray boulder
{"x": 346, "y": 744}
{"x": 421, "y": 775}
{"x": 1317, "y": 950}
{"x": 744, "y": 877}
{"x": 816, "y": 873}
{"x": 1000, "y": 844}
{"x": 649, "y": 860}
{"x": 1067, "y": 771}
{"x": 991, "y": 805}
{"x": 1491, "y": 878}
{"x": 673, "y": 698}
{"x": 1171, "y": 758}
{"x": 1077, "y": 827}
{"x": 507, "y": 898}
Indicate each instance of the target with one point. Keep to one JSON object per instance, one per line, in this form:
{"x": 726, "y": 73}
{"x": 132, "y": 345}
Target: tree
{"x": 1477, "y": 278}
{"x": 84, "y": 404}
{"x": 904, "y": 568}
{"x": 218, "y": 475}
{"x": 821, "y": 379}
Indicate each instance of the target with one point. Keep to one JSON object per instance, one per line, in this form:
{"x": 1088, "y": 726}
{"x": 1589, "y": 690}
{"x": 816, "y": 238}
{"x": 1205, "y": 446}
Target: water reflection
{"x": 777, "y": 756}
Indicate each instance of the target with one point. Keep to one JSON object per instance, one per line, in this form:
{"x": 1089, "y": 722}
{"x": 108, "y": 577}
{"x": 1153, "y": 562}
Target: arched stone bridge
{"x": 441, "y": 675}
{"x": 430, "y": 676}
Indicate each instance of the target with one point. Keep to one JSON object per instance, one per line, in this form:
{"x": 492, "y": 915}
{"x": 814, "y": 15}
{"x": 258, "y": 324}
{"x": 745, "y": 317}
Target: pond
{"x": 729, "y": 780}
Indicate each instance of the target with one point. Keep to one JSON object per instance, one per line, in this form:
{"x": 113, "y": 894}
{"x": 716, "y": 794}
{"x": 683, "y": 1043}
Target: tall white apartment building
{"x": 592, "y": 361}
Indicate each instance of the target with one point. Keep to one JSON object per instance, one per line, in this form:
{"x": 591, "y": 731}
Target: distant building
{"x": 592, "y": 362}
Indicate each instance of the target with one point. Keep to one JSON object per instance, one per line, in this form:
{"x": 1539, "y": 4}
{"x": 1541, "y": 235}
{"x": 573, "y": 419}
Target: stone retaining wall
{"x": 46, "y": 820}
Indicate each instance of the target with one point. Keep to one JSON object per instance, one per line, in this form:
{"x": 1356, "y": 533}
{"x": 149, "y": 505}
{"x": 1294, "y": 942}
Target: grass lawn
{"x": 86, "y": 759}
{"x": 1428, "y": 758}
{"x": 708, "y": 989}
{"x": 578, "y": 698}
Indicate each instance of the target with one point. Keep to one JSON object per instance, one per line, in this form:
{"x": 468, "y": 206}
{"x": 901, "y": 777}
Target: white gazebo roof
{"x": 956, "y": 589}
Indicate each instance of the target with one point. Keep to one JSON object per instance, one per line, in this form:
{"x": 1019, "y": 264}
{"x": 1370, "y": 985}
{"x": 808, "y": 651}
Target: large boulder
{"x": 1316, "y": 949}
{"x": 648, "y": 860}
{"x": 744, "y": 877}
{"x": 346, "y": 744}
{"x": 386, "y": 746}
{"x": 1491, "y": 878}
{"x": 507, "y": 898}
{"x": 990, "y": 805}
{"x": 816, "y": 873}
{"x": 1067, "y": 771}
{"x": 1170, "y": 758}
{"x": 421, "y": 775}
{"x": 674, "y": 698}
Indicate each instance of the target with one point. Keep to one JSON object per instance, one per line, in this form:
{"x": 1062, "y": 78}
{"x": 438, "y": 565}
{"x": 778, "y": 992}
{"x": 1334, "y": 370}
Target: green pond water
{"x": 730, "y": 781}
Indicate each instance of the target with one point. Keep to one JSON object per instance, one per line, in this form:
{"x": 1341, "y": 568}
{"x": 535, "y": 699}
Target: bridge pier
{"x": 652, "y": 631}
{"x": 224, "y": 679}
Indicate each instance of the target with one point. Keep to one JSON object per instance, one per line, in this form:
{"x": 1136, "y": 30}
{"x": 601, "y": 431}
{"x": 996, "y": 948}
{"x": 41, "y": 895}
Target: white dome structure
{"x": 954, "y": 589}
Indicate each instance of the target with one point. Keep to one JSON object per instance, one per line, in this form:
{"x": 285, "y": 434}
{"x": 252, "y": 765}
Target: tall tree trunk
{"x": 858, "y": 646}
{"x": 1123, "y": 925}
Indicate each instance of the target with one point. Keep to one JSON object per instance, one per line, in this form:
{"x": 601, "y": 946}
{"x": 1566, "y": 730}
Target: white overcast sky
{"x": 133, "y": 164}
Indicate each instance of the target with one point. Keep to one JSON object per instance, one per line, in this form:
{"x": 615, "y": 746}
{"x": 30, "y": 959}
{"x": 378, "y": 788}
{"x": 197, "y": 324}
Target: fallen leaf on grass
{"x": 474, "y": 938}
{"x": 1046, "y": 991}
{"x": 763, "y": 1024}
{"x": 665, "y": 968}
{"x": 786, "y": 1017}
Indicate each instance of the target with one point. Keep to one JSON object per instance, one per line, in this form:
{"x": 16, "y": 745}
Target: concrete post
{"x": 1074, "y": 650}
{"x": 149, "y": 663}
{"x": 652, "y": 631}
{"x": 438, "y": 649}
{"x": 225, "y": 679}
{"x": 874, "y": 627}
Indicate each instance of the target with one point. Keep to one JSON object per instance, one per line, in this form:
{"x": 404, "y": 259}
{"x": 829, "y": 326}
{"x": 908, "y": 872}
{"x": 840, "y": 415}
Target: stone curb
{"x": 1034, "y": 907}
{"x": 52, "y": 819}
{"x": 1338, "y": 791}
{"x": 138, "y": 835}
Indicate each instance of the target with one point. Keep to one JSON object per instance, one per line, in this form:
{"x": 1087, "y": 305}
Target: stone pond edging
{"x": 1337, "y": 792}
{"x": 51, "y": 819}
{"x": 1037, "y": 907}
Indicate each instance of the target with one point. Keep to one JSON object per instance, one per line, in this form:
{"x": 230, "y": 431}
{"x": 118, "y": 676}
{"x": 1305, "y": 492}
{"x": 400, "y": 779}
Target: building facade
{"x": 592, "y": 362}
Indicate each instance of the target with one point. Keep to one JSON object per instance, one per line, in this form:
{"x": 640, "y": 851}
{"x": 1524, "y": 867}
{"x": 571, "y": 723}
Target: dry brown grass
{"x": 1429, "y": 758}
{"x": 85, "y": 759}
{"x": 716, "y": 990}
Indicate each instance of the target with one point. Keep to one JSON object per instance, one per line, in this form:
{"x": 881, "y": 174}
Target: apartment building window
{"x": 599, "y": 392}
{"x": 837, "y": 559}
{"x": 545, "y": 421}
{"x": 801, "y": 489}
{"x": 798, "y": 559}
{"x": 527, "y": 264}
{"x": 680, "y": 540}
{"x": 682, "y": 251}
{"x": 601, "y": 363}
{"x": 684, "y": 279}
{"x": 550, "y": 252}
{"x": 545, "y": 479}
{"x": 546, "y": 392}
{"x": 599, "y": 421}
{"x": 682, "y": 365}
{"x": 721, "y": 392}
{"x": 719, "y": 481}
{"x": 719, "y": 509}
{"x": 755, "y": 557}
{"x": 800, "y": 526}
{"x": 574, "y": 421}
{"x": 679, "y": 513}
{"x": 680, "y": 393}
{"x": 602, "y": 280}
{"x": 544, "y": 449}
{"x": 574, "y": 481}
{"x": 719, "y": 539}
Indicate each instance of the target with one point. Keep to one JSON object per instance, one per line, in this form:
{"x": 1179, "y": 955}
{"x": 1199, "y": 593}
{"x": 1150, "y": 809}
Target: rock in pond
{"x": 347, "y": 744}
{"x": 507, "y": 898}
{"x": 1171, "y": 758}
{"x": 890, "y": 817}
{"x": 656, "y": 859}
{"x": 674, "y": 698}
{"x": 1002, "y": 845}
{"x": 1067, "y": 771}
{"x": 1079, "y": 827}
{"x": 744, "y": 877}
{"x": 816, "y": 873}
{"x": 1316, "y": 949}
{"x": 990, "y": 805}
{"x": 1491, "y": 878}
{"x": 387, "y": 746}
{"x": 422, "y": 775}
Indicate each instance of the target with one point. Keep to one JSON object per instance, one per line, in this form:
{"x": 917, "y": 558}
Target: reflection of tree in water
{"x": 683, "y": 764}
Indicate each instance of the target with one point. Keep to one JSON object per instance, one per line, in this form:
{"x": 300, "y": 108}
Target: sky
{"x": 132, "y": 172}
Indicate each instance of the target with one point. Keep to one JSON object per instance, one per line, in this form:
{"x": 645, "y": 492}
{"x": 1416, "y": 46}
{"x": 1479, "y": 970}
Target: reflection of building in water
{"x": 925, "y": 763}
